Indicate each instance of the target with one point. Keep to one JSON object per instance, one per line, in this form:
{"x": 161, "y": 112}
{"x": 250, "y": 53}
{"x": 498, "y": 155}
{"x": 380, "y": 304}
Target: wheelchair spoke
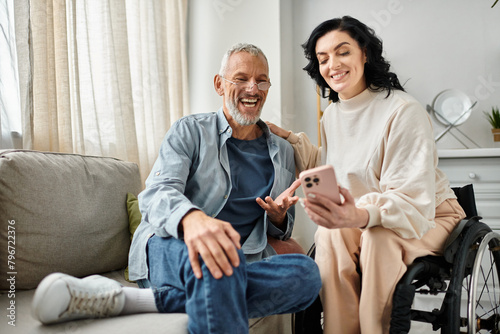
{"x": 485, "y": 287}
{"x": 493, "y": 302}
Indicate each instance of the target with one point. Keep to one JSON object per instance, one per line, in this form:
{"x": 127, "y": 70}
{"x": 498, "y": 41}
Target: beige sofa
{"x": 68, "y": 213}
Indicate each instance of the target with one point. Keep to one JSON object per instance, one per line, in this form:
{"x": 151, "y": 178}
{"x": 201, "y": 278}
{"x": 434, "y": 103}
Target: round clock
{"x": 452, "y": 107}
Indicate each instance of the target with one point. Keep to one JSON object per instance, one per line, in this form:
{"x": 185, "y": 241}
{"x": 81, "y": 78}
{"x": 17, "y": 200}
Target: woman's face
{"x": 341, "y": 63}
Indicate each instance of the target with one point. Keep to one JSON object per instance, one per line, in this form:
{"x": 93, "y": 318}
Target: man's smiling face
{"x": 241, "y": 103}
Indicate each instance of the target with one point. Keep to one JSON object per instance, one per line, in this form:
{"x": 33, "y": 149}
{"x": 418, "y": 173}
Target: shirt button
{"x": 157, "y": 173}
{"x": 213, "y": 216}
{"x": 225, "y": 196}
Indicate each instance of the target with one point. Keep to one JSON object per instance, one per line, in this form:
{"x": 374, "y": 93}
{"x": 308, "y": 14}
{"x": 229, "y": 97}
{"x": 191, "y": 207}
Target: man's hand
{"x": 216, "y": 241}
{"x": 276, "y": 209}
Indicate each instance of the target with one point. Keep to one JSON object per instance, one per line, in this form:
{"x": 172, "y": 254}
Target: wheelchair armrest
{"x": 454, "y": 240}
{"x": 289, "y": 246}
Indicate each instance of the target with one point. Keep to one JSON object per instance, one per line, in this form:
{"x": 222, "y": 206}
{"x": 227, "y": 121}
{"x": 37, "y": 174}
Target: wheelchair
{"x": 464, "y": 282}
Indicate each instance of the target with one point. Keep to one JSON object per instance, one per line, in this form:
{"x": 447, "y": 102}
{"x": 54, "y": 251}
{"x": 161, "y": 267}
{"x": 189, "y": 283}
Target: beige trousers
{"x": 355, "y": 303}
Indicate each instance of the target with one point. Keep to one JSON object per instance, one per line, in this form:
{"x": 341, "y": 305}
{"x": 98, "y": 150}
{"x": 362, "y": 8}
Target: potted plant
{"x": 494, "y": 119}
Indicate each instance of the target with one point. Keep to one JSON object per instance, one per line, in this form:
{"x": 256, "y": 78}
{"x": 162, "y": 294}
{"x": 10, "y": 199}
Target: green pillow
{"x": 134, "y": 215}
{"x": 134, "y": 219}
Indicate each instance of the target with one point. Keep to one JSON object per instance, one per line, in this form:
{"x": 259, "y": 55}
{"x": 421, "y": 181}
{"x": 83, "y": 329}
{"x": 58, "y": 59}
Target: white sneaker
{"x": 60, "y": 297}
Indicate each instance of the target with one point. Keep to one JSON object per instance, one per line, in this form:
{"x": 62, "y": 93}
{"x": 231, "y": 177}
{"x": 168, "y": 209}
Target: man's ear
{"x": 218, "y": 85}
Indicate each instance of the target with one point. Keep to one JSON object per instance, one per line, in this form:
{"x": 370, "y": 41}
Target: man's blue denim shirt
{"x": 192, "y": 172}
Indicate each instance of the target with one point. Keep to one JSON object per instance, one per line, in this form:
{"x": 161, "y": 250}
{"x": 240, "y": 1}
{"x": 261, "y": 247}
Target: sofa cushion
{"x": 65, "y": 212}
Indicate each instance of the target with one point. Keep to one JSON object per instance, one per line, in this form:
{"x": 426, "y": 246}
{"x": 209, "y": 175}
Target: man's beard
{"x": 239, "y": 117}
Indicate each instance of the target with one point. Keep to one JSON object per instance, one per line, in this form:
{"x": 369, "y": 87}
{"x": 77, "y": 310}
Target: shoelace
{"x": 99, "y": 305}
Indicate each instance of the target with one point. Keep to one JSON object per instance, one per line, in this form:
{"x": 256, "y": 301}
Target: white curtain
{"x": 10, "y": 110}
{"x": 107, "y": 77}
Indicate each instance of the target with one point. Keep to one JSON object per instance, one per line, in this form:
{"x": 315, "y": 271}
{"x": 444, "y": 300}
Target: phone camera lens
{"x": 309, "y": 185}
{"x": 316, "y": 180}
{"x": 307, "y": 179}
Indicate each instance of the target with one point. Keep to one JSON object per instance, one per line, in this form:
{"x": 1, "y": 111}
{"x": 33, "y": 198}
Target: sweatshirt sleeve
{"x": 306, "y": 154}
{"x": 406, "y": 201}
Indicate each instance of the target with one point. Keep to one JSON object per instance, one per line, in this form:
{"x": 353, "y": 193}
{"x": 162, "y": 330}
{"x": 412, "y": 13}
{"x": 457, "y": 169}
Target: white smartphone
{"x": 321, "y": 180}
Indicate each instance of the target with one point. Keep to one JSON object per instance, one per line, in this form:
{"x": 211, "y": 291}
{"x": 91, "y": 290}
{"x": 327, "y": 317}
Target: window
{"x": 10, "y": 110}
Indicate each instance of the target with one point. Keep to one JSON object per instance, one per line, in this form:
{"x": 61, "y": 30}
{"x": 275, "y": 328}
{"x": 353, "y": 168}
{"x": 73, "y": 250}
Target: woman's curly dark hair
{"x": 377, "y": 73}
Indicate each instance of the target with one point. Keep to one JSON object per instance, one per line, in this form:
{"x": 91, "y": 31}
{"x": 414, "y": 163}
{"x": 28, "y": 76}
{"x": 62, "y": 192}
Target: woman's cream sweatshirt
{"x": 383, "y": 152}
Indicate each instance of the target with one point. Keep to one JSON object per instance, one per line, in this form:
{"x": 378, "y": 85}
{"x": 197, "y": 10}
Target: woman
{"x": 397, "y": 204}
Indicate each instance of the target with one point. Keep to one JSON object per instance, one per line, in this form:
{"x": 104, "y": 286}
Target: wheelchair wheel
{"x": 484, "y": 298}
{"x": 473, "y": 295}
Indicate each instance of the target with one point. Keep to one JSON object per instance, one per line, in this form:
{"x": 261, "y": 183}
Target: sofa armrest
{"x": 285, "y": 246}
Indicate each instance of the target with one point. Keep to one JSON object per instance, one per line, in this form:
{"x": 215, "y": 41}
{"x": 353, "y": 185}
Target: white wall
{"x": 215, "y": 25}
{"x": 432, "y": 46}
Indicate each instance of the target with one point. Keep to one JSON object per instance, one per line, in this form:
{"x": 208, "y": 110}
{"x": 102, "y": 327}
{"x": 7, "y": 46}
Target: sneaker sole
{"x": 41, "y": 293}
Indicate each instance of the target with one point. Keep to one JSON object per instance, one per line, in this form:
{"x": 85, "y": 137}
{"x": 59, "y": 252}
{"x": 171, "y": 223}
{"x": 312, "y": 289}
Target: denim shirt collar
{"x": 223, "y": 125}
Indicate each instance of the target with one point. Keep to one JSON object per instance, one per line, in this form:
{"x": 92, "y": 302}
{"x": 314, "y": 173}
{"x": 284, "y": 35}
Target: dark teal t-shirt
{"x": 252, "y": 176}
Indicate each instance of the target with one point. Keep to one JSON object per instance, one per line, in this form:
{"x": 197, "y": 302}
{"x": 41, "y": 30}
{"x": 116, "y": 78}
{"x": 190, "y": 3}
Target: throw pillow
{"x": 134, "y": 219}
{"x": 134, "y": 215}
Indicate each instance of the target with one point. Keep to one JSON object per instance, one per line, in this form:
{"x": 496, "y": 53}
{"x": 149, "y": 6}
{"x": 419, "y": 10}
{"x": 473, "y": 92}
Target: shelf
{"x": 470, "y": 153}
{"x": 481, "y": 167}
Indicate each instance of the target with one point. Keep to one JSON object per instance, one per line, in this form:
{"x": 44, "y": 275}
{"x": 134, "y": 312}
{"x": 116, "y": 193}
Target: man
{"x": 207, "y": 210}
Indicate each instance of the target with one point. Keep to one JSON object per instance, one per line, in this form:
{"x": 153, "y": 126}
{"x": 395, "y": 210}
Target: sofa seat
{"x": 171, "y": 323}
{"x": 175, "y": 323}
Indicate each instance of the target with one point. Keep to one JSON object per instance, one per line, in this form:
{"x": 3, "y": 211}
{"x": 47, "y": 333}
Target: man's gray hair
{"x": 245, "y": 47}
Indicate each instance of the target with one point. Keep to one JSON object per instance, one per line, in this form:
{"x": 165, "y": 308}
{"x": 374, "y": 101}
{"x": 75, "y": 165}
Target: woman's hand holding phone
{"x": 320, "y": 180}
{"x": 323, "y": 203}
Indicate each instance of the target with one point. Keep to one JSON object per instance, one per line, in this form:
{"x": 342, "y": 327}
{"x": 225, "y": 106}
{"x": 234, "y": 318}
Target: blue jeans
{"x": 276, "y": 285}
